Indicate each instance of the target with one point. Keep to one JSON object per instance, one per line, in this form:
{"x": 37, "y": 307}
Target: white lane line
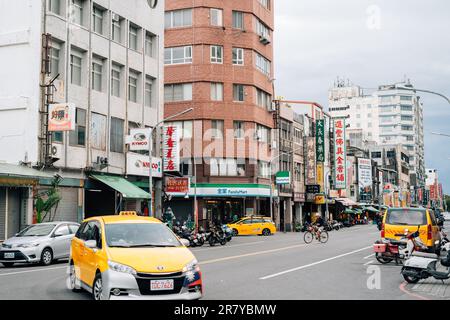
{"x": 250, "y": 254}
{"x": 29, "y": 271}
{"x": 367, "y": 263}
{"x": 370, "y": 255}
{"x": 313, "y": 264}
{"x": 226, "y": 246}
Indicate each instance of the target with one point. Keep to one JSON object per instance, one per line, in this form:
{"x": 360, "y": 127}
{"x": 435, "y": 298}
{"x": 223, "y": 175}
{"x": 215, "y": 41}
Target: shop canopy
{"x": 349, "y": 211}
{"x": 371, "y": 209}
{"x": 347, "y": 202}
{"x": 126, "y": 188}
{"x": 17, "y": 175}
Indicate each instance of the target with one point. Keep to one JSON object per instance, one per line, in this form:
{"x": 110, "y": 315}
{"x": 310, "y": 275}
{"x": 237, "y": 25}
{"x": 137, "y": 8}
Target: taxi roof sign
{"x": 128, "y": 213}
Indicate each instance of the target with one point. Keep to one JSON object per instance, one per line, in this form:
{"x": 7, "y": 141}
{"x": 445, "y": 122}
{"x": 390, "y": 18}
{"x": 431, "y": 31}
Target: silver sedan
{"x": 39, "y": 243}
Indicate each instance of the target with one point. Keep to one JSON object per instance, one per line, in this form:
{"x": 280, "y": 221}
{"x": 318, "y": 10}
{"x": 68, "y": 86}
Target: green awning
{"x": 371, "y": 209}
{"x": 126, "y": 188}
{"x": 349, "y": 211}
{"x": 358, "y": 211}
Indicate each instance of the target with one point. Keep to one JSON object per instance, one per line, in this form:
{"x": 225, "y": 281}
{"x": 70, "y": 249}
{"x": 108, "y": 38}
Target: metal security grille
{"x": 68, "y": 206}
{"x": 2, "y": 212}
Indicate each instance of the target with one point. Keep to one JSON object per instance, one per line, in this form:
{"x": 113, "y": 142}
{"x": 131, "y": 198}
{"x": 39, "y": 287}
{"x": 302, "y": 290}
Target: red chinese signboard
{"x": 433, "y": 192}
{"x": 177, "y": 185}
{"x": 340, "y": 154}
{"x": 171, "y": 149}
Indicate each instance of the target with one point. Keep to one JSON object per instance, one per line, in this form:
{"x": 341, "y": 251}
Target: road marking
{"x": 229, "y": 246}
{"x": 313, "y": 264}
{"x": 367, "y": 263}
{"x": 370, "y": 255}
{"x": 250, "y": 254}
{"x": 29, "y": 271}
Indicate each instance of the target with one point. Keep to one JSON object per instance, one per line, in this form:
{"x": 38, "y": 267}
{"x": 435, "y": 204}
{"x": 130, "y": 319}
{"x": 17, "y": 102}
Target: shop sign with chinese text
{"x": 171, "y": 149}
{"x": 320, "y": 140}
{"x": 61, "y": 117}
{"x": 340, "y": 154}
{"x": 310, "y": 160}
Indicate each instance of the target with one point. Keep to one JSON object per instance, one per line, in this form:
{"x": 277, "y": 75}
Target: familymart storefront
{"x": 222, "y": 202}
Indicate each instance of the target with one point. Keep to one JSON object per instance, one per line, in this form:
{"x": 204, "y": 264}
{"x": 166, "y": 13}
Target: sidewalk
{"x": 431, "y": 288}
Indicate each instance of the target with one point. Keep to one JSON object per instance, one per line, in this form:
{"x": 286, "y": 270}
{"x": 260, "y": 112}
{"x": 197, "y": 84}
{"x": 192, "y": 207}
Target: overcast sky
{"x": 370, "y": 43}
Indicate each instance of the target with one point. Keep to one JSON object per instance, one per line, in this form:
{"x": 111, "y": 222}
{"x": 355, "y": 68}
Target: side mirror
{"x": 57, "y": 234}
{"x": 185, "y": 242}
{"x": 91, "y": 244}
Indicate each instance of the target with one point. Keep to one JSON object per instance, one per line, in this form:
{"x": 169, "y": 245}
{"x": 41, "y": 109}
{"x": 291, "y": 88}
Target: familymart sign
{"x": 283, "y": 178}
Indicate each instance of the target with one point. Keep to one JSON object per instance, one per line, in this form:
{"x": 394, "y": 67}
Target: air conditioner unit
{"x": 115, "y": 17}
{"x": 264, "y": 40}
{"x": 56, "y": 151}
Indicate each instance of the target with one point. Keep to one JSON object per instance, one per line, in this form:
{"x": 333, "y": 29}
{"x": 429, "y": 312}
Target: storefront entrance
{"x": 223, "y": 211}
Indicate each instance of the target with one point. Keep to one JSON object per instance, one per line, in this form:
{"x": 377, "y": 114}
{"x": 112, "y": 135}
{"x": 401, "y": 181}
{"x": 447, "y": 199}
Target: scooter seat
{"x": 396, "y": 242}
{"x": 425, "y": 255}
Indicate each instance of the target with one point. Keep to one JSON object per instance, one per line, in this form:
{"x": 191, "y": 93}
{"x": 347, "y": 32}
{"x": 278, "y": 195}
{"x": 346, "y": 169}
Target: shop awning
{"x": 347, "y": 202}
{"x": 371, "y": 209}
{"x": 16, "y": 175}
{"x": 349, "y": 211}
{"x": 126, "y": 188}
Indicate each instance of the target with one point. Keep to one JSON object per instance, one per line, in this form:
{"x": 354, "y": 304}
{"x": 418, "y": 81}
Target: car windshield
{"x": 408, "y": 217}
{"x": 38, "y": 230}
{"x": 129, "y": 235}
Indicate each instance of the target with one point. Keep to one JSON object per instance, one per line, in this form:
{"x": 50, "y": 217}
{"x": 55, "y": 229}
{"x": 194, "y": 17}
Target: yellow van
{"x": 397, "y": 221}
{"x": 131, "y": 257}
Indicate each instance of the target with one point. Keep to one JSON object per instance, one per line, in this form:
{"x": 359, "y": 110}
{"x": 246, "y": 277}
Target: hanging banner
{"x": 310, "y": 160}
{"x": 171, "y": 149}
{"x": 320, "y": 177}
{"x": 61, "y": 117}
{"x": 340, "y": 154}
{"x": 365, "y": 178}
{"x": 320, "y": 140}
{"x": 433, "y": 194}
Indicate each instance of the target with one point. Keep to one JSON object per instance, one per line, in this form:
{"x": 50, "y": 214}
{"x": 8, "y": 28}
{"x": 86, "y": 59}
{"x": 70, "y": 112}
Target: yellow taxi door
{"x": 256, "y": 226}
{"x": 245, "y": 227}
{"x": 92, "y": 255}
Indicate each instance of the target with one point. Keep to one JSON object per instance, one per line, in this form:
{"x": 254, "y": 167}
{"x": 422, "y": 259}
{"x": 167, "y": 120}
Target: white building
{"x": 108, "y": 55}
{"x": 388, "y": 116}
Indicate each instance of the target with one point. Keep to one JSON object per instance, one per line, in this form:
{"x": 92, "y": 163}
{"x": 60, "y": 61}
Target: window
{"x": 265, "y": 3}
{"x": 358, "y": 116}
{"x": 217, "y": 129}
{"x": 263, "y": 169}
{"x": 262, "y": 133}
{"x": 55, "y": 59}
{"x": 358, "y": 107}
{"x": 116, "y": 28}
{"x": 407, "y": 128}
{"x": 58, "y": 136}
{"x": 238, "y": 56}
{"x": 409, "y": 138}
{"x": 217, "y": 91}
{"x": 216, "y": 17}
{"x": 178, "y": 18}
{"x": 406, "y": 98}
{"x": 116, "y": 76}
{"x": 407, "y": 118}
{"x": 376, "y": 155}
{"x": 261, "y": 29}
{"x": 369, "y": 125}
{"x": 238, "y": 127}
{"x": 78, "y": 136}
{"x": 238, "y": 20}
{"x": 116, "y": 135}
{"x": 262, "y": 64}
{"x": 387, "y": 119}
{"x": 369, "y": 115}
{"x": 406, "y": 108}
{"x": 178, "y": 92}
{"x": 216, "y": 54}
{"x": 97, "y": 72}
{"x": 77, "y": 12}
{"x": 387, "y": 109}
{"x": 97, "y": 20}
{"x": 263, "y": 99}
{"x": 54, "y": 6}
{"x": 227, "y": 167}
{"x": 133, "y": 80}
{"x": 75, "y": 67}
{"x": 178, "y": 55}
{"x": 149, "y": 43}
{"x": 387, "y": 99}
{"x": 133, "y": 37}
{"x": 387, "y": 129}
{"x": 148, "y": 91}
{"x": 98, "y": 131}
{"x": 238, "y": 92}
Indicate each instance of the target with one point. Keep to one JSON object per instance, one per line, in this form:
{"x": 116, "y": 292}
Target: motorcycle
{"x": 216, "y": 235}
{"x": 228, "y": 232}
{"x": 388, "y": 250}
{"x": 424, "y": 265}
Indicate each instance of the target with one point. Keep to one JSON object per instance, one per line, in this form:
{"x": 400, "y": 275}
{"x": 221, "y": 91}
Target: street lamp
{"x": 150, "y": 149}
{"x": 426, "y": 91}
{"x": 441, "y": 134}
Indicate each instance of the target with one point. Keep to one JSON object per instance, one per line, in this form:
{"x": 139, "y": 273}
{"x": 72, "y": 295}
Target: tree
{"x": 48, "y": 201}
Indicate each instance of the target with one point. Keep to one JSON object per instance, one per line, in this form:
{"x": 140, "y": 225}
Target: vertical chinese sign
{"x": 171, "y": 149}
{"x": 320, "y": 140}
{"x": 310, "y": 160}
{"x": 340, "y": 154}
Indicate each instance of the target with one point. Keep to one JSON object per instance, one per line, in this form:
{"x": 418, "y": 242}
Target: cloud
{"x": 318, "y": 40}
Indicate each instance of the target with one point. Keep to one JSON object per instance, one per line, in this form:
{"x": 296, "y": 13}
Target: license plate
{"x": 157, "y": 285}
{"x": 9, "y": 255}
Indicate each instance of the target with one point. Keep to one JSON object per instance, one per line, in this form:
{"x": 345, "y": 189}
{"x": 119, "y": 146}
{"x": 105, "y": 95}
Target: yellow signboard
{"x": 320, "y": 199}
{"x": 319, "y": 175}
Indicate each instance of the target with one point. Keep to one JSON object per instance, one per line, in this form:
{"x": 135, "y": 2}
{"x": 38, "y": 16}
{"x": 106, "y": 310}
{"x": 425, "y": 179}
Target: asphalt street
{"x": 281, "y": 266}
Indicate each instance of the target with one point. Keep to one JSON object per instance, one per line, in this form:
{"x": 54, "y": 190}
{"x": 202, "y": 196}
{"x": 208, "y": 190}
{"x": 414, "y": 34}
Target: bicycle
{"x": 315, "y": 232}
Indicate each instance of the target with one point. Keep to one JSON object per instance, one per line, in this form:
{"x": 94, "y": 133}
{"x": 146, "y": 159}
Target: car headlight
{"x": 191, "y": 266}
{"x": 121, "y": 268}
{"x": 28, "y": 245}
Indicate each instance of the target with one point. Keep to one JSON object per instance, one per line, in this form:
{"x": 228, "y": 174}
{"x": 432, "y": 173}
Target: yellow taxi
{"x": 131, "y": 257}
{"x": 397, "y": 221}
{"x": 253, "y": 225}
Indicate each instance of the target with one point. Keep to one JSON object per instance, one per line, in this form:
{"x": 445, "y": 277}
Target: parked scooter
{"x": 216, "y": 235}
{"x": 424, "y": 265}
{"x": 228, "y": 232}
{"x": 388, "y": 250}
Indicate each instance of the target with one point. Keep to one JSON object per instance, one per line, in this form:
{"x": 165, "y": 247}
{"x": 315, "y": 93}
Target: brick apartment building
{"x": 219, "y": 61}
